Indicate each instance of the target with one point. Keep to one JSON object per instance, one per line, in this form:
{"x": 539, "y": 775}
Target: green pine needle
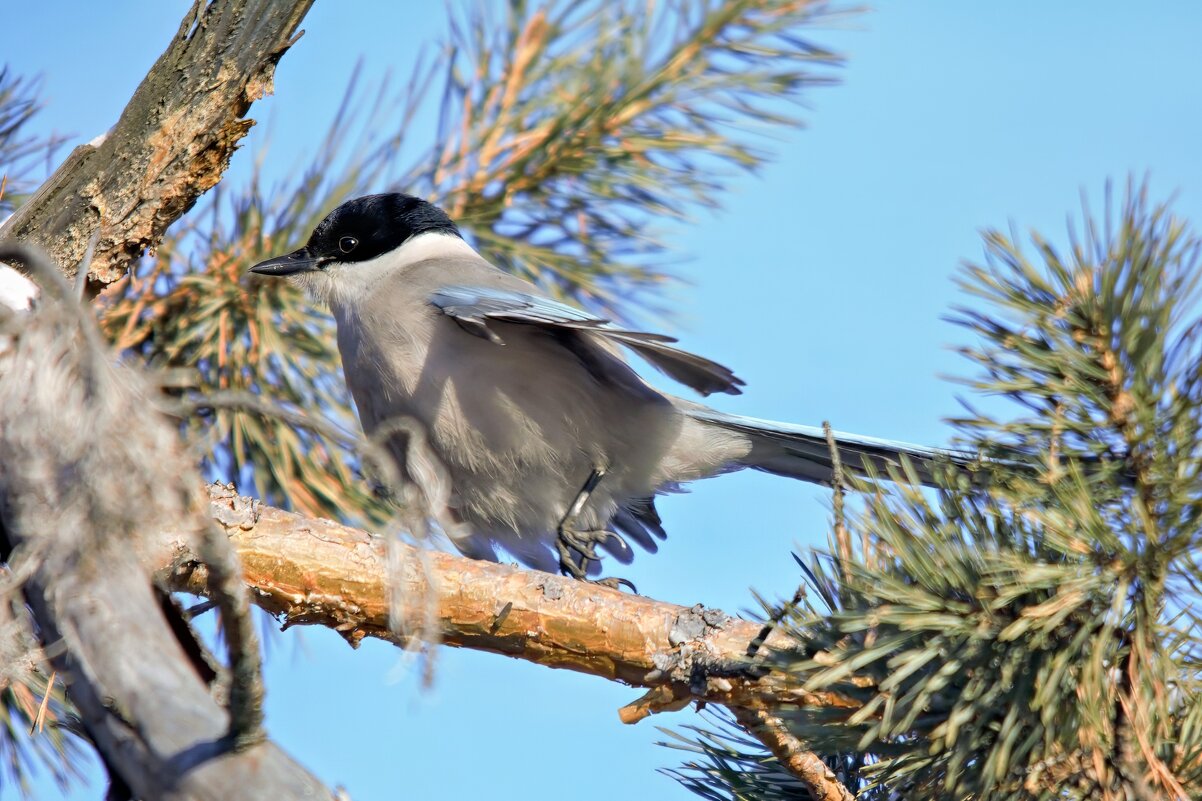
{"x": 1038, "y": 639}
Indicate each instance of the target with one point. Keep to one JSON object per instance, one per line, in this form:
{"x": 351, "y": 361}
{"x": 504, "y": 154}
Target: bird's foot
{"x": 576, "y": 547}
{"x": 615, "y": 583}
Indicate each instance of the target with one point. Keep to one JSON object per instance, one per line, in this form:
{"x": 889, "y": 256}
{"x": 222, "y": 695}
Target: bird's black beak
{"x": 298, "y": 261}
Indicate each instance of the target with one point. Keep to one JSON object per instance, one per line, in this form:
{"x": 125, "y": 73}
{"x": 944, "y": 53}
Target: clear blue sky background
{"x": 822, "y": 281}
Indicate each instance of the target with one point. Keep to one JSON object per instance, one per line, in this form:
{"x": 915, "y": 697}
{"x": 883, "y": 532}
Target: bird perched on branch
{"x": 553, "y": 444}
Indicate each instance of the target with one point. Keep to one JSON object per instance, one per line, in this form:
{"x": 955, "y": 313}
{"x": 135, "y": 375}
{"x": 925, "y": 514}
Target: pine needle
{"x": 40, "y": 719}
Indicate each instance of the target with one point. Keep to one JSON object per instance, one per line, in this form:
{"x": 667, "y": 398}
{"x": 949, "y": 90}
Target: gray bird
{"x": 553, "y": 444}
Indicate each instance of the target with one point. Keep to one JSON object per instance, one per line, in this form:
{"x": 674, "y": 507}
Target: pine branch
{"x": 1040, "y": 638}
{"x": 807, "y": 766}
{"x": 317, "y": 572}
{"x": 570, "y": 129}
{"x": 730, "y": 762}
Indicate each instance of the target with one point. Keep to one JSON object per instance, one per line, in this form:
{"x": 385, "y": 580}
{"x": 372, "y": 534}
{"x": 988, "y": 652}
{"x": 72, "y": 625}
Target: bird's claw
{"x": 585, "y": 542}
{"x": 576, "y": 547}
{"x": 615, "y": 583}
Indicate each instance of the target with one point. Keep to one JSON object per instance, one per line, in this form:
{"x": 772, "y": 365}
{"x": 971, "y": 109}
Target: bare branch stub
{"x": 172, "y": 143}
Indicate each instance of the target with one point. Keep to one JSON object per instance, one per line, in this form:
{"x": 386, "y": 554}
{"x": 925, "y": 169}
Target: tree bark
{"x": 172, "y": 143}
{"x": 314, "y": 571}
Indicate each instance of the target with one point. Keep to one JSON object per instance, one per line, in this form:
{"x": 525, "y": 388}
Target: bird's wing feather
{"x": 473, "y": 307}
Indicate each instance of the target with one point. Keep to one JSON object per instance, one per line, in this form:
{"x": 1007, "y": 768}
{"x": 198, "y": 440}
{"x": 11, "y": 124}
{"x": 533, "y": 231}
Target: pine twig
{"x": 793, "y": 756}
{"x": 838, "y": 489}
{"x": 805, "y": 765}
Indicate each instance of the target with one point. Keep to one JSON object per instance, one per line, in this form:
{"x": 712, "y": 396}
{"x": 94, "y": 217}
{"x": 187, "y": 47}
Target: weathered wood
{"x": 172, "y": 143}
{"x": 143, "y": 704}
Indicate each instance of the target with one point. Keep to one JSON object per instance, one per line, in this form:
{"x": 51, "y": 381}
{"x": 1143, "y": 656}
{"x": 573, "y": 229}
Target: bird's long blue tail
{"x": 803, "y": 452}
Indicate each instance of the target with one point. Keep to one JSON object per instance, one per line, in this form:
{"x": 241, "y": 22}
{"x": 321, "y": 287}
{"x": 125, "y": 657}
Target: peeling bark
{"x": 172, "y": 143}
{"x": 318, "y": 572}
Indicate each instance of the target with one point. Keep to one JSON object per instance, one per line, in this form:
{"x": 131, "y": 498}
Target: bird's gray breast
{"x": 519, "y": 426}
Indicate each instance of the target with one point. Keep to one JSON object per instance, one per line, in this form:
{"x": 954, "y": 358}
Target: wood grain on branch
{"x": 172, "y": 143}
{"x": 313, "y": 571}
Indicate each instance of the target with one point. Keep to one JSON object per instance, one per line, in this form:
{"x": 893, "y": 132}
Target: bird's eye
{"x": 347, "y": 244}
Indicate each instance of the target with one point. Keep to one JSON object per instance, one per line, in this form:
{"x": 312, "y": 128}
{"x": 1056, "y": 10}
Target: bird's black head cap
{"x": 359, "y": 230}
{"x": 372, "y": 225}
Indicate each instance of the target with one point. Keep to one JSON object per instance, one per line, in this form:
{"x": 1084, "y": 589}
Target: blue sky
{"x": 822, "y": 281}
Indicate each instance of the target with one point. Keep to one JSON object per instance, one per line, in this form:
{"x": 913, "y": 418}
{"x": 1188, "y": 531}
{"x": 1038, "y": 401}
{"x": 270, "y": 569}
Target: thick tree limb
{"x": 313, "y": 571}
{"x": 172, "y": 143}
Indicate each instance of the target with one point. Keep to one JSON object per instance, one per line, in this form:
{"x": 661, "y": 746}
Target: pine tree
{"x": 1025, "y": 631}
{"x": 1031, "y": 635}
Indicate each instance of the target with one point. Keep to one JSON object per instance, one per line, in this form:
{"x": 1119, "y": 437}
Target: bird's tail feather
{"x": 802, "y": 452}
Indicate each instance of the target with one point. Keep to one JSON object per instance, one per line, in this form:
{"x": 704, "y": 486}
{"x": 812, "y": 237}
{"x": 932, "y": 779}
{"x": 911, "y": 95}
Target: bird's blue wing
{"x": 474, "y": 307}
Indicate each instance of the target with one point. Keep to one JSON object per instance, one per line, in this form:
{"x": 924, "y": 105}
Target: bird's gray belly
{"x": 519, "y": 427}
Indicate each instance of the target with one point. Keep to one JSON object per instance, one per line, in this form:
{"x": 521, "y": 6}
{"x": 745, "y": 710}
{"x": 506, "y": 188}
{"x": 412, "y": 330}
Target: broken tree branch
{"x": 314, "y": 571}
{"x": 172, "y": 143}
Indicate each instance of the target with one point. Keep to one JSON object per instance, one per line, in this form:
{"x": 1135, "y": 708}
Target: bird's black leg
{"x": 577, "y": 546}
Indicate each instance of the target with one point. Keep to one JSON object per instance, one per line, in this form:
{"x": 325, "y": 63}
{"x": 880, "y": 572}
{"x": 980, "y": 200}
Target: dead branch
{"x": 172, "y": 143}
{"x": 314, "y": 571}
